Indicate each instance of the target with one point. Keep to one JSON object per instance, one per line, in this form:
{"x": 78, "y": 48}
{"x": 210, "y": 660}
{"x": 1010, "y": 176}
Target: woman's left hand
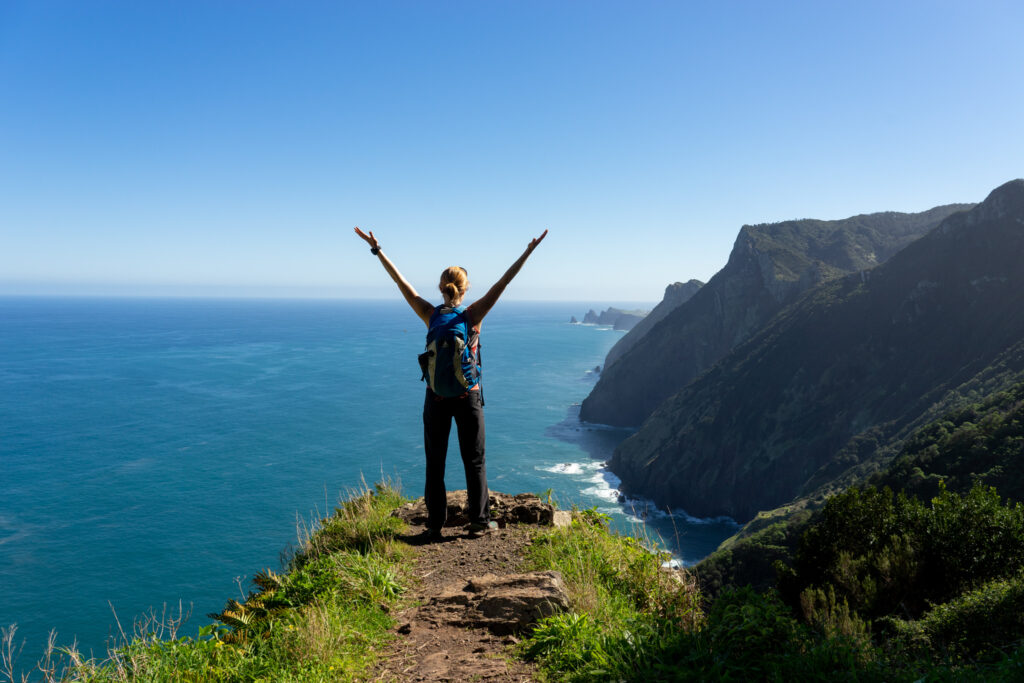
{"x": 534, "y": 242}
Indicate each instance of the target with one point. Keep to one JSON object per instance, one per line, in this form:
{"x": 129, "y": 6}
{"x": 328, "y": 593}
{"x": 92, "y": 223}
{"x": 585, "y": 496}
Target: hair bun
{"x": 454, "y": 282}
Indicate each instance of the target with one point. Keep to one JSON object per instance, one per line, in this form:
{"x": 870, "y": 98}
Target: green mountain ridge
{"x": 770, "y": 266}
{"x": 844, "y": 373}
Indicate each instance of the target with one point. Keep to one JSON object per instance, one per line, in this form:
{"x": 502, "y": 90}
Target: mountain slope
{"x": 982, "y": 442}
{"x": 770, "y": 267}
{"x": 676, "y": 294}
{"x": 854, "y": 363}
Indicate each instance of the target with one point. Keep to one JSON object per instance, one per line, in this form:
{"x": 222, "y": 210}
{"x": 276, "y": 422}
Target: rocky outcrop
{"x": 524, "y": 508}
{"x": 617, "y": 318}
{"x": 676, "y": 294}
{"x": 506, "y": 604}
{"x": 769, "y": 268}
{"x": 844, "y": 373}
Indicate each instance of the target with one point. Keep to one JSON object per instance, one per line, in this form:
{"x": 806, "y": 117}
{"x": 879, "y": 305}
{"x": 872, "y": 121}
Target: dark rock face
{"x": 853, "y": 366}
{"x": 769, "y": 268}
{"x": 616, "y": 317}
{"x": 676, "y": 294}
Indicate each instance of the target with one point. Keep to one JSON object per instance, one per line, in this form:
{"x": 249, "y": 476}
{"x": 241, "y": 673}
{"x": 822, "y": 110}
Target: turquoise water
{"x": 157, "y": 451}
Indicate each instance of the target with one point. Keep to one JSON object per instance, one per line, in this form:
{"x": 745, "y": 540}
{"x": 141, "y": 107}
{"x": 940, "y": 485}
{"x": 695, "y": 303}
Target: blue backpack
{"x": 451, "y": 362}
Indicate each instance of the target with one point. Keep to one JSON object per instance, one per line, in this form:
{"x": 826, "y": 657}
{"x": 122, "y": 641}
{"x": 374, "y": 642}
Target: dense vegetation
{"x": 633, "y": 621}
{"x": 884, "y": 562}
{"x": 927, "y": 576}
{"x": 982, "y": 442}
{"x": 884, "y": 587}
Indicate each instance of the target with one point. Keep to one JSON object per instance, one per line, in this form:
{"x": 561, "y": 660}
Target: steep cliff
{"x": 854, "y": 364}
{"x": 618, "y": 318}
{"x": 770, "y": 267}
{"x": 676, "y": 294}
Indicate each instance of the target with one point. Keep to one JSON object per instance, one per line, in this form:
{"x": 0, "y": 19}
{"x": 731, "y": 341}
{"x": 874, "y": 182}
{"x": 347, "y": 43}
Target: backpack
{"x": 451, "y": 362}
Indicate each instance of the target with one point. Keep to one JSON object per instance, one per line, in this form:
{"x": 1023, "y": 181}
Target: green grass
{"x": 326, "y": 618}
{"x": 631, "y": 622}
{"x": 625, "y": 608}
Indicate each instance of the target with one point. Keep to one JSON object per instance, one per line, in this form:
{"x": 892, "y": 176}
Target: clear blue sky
{"x": 229, "y": 147}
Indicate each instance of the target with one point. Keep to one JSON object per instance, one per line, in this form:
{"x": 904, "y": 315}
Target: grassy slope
{"x": 327, "y": 619}
{"x": 632, "y": 622}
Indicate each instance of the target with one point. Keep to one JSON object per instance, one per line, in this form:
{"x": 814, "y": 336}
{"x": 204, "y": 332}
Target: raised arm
{"x": 482, "y": 306}
{"x": 420, "y": 305}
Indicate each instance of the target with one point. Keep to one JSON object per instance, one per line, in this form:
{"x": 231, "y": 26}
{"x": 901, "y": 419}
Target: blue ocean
{"x": 160, "y": 451}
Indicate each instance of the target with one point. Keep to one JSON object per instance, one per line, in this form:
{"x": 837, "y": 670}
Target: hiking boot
{"x": 480, "y": 528}
{"x": 431, "y": 535}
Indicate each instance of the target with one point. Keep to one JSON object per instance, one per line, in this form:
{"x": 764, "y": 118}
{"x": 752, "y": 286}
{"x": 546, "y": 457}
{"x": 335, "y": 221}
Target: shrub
{"x": 889, "y": 554}
{"x": 987, "y": 620}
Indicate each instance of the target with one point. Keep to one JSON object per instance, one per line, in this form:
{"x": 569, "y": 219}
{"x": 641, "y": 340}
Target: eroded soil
{"x": 427, "y": 649}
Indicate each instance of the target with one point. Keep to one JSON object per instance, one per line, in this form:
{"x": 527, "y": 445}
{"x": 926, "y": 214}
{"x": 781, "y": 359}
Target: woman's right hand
{"x": 370, "y": 239}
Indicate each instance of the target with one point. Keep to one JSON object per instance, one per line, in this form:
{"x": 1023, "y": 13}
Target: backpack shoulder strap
{"x": 437, "y": 311}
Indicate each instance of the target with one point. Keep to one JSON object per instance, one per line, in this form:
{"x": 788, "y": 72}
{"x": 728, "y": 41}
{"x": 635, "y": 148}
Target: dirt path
{"x": 427, "y": 649}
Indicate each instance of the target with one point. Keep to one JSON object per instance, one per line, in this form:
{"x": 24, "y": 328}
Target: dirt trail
{"x": 428, "y": 649}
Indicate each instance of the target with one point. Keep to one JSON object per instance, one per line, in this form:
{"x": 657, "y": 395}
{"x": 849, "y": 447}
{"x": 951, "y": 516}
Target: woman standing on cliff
{"x": 457, "y": 396}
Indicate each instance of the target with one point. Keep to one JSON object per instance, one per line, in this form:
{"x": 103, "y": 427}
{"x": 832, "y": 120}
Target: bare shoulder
{"x": 424, "y": 309}
{"x": 471, "y": 316}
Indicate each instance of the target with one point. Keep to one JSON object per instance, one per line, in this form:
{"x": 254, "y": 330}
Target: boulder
{"x": 502, "y": 604}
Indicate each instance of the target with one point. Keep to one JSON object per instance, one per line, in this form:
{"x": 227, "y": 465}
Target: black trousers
{"x": 468, "y": 413}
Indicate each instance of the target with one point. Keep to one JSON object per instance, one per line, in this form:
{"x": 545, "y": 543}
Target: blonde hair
{"x": 454, "y": 283}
